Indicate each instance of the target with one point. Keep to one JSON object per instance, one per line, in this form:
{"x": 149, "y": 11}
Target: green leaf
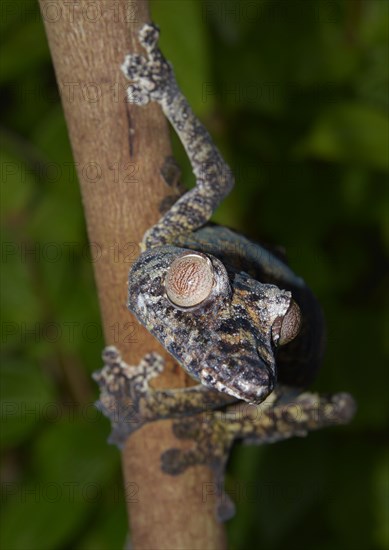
{"x": 13, "y": 12}
{"x": 75, "y": 448}
{"x": 26, "y": 49}
{"x": 41, "y": 515}
{"x": 74, "y": 465}
{"x": 349, "y": 132}
{"x": 21, "y": 308}
{"x": 109, "y": 531}
{"x": 25, "y": 395}
{"x": 17, "y": 183}
{"x": 50, "y": 135}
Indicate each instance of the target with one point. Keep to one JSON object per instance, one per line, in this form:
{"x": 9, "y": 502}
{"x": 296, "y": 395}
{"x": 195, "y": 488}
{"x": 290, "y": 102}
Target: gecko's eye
{"x": 190, "y": 280}
{"x": 286, "y": 328}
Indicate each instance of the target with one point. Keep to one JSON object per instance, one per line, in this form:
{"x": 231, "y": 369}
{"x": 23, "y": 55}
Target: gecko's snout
{"x": 249, "y": 382}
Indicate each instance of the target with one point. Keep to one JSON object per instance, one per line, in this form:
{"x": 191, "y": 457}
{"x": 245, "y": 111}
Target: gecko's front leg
{"x": 153, "y": 80}
{"x": 127, "y": 399}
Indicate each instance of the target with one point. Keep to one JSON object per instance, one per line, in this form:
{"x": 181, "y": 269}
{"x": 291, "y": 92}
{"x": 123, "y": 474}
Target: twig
{"x": 119, "y": 152}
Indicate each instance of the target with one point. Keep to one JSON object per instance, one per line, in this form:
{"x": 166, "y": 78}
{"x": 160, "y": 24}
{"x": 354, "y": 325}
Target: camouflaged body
{"x": 298, "y": 361}
{"x": 227, "y": 341}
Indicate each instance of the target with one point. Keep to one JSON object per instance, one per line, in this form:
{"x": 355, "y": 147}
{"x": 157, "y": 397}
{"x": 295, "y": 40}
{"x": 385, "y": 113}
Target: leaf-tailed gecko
{"x": 231, "y": 312}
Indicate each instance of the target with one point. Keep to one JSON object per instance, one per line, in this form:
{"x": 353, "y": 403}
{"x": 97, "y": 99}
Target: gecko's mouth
{"x": 252, "y": 386}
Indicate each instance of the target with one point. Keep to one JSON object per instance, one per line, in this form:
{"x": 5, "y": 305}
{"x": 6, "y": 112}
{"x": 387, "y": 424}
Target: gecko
{"x": 230, "y": 311}
{"x": 222, "y": 305}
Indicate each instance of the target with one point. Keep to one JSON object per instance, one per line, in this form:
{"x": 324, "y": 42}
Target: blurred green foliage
{"x": 296, "y": 96}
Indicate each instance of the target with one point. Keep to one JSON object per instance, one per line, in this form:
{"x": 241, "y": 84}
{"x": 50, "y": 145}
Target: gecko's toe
{"x": 133, "y": 66}
{"x": 153, "y": 363}
{"x": 136, "y": 95}
{"x": 111, "y": 355}
{"x": 172, "y": 462}
{"x": 225, "y": 509}
{"x": 148, "y": 36}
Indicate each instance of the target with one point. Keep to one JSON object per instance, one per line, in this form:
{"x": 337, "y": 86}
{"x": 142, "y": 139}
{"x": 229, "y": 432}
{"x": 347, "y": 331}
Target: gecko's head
{"x": 222, "y": 326}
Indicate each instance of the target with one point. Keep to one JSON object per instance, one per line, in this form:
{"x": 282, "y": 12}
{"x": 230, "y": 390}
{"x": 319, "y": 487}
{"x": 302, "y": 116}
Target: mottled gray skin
{"x": 153, "y": 80}
{"x": 226, "y": 343}
{"x": 128, "y": 401}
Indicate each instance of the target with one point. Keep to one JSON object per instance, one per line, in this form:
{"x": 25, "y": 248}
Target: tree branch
{"x": 119, "y": 151}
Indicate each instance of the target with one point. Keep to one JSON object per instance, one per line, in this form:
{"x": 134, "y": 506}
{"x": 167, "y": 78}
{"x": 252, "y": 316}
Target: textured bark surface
{"x": 119, "y": 150}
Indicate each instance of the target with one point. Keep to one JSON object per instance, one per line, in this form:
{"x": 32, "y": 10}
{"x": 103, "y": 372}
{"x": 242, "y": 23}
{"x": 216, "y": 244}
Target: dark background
{"x": 296, "y": 96}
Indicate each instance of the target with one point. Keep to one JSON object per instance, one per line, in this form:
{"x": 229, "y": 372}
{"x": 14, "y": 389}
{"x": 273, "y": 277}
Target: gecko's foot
{"x": 152, "y": 78}
{"x": 123, "y": 391}
{"x": 210, "y": 447}
{"x": 174, "y": 462}
{"x": 283, "y": 415}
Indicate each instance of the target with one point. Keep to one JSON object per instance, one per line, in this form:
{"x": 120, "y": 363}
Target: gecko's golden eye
{"x": 286, "y": 328}
{"x": 189, "y": 280}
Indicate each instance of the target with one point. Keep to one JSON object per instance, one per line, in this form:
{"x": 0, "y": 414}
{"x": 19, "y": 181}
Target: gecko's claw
{"x": 111, "y": 355}
{"x": 136, "y": 95}
{"x": 153, "y": 364}
{"x": 149, "y": 36}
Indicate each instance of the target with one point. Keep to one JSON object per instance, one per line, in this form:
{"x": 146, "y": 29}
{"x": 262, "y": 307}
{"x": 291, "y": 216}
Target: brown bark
{"x": 119, "y": 150}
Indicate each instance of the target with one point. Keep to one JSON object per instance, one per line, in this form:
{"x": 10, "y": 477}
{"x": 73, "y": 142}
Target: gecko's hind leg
{"x": 153, "y": 80}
